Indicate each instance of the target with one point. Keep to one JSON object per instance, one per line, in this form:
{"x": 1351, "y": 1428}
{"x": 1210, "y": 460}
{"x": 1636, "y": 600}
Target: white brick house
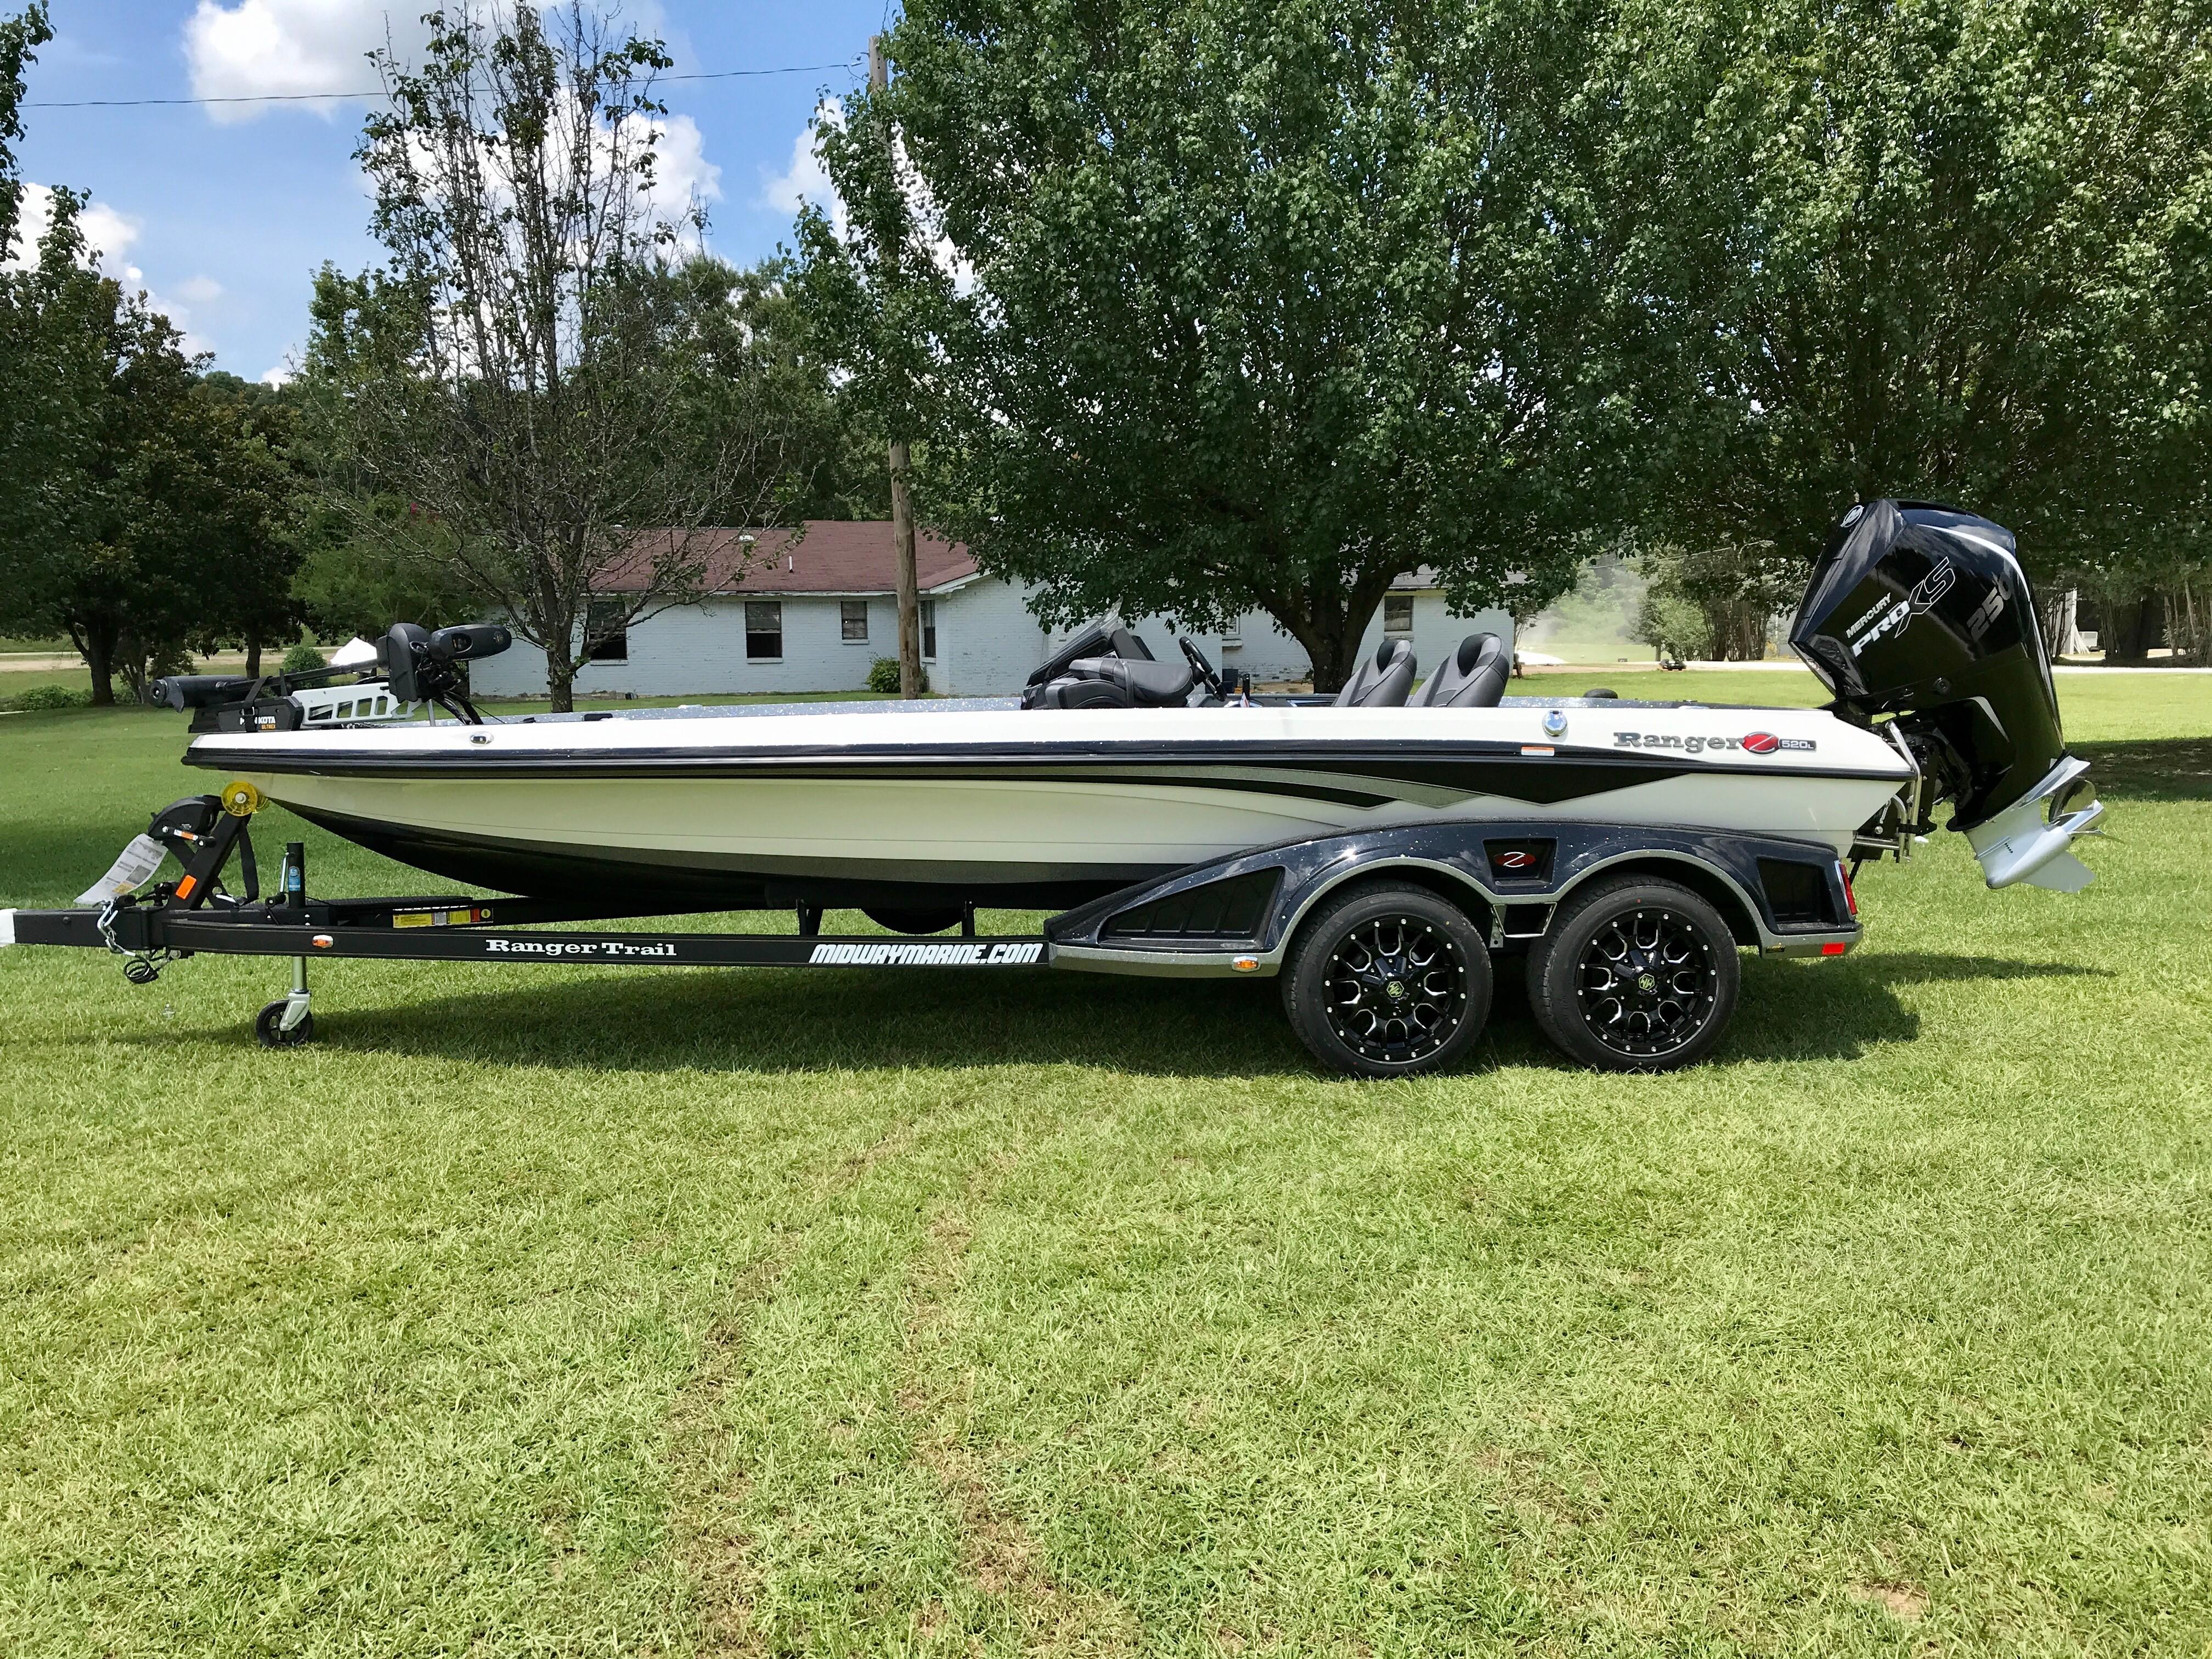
{"x": 810, "y": 613}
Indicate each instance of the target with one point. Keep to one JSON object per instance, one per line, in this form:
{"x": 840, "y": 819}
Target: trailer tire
{"x": 1387, "y": 979}
{"x": 1635, "y": 974}
{"x": 269, "y": 1028}
{"x": 914, "y": 918}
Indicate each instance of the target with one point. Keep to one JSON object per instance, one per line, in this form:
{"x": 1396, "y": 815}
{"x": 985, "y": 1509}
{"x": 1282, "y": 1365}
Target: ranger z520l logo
{"x": 1754, "y": 743}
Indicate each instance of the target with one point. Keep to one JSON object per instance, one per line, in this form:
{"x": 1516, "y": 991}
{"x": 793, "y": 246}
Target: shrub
{"x": 52, "y": 696}
{"x": 303, "y": 659}
{"x": 883, "y": 676}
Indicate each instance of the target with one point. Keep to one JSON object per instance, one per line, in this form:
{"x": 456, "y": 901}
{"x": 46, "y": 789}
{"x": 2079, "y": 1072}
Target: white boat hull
{"x": 1042, "y": 806}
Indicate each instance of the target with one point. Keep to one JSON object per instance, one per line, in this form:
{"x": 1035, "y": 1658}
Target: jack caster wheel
{"x": 1387, "y": 981}
{"x": 1635, "y": 975}
{"x": 274, "y": 1035}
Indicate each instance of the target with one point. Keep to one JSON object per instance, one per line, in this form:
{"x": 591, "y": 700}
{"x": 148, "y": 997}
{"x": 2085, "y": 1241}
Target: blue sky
{"x": 223, "y": 212}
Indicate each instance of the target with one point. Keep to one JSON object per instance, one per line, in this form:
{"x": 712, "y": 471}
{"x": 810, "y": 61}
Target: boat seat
{"x": 1119, "y": 683}
{"x": 1383, "y": 680}
{"x": 1473, "y": 676}
{"x": 1131, "y": 645}
{"x": 1150, "y": 684}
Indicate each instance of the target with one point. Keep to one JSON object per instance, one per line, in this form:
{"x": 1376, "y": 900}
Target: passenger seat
{"x": 1382, "y": 681}
{"x": 1473, "y": 676}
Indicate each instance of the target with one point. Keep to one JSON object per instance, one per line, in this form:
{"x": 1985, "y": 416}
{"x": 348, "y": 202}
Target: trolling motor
{"x": 410, "y": 666}
{"x": 1922, "y": 613}
{"x": 421, "y": 666}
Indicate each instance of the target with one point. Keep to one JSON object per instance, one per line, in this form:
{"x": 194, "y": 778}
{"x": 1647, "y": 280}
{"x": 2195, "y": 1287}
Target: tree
{"x": 521, "y": 374}
{"x": 765, "y": 353}
{"x": 1208, "y": 306}
{"x": 137, "y": 514}
{"x": 162, "y": 523}
{"x": 20, "y": 37}
{"x": 1715, "y": 601}
{"x": 246, "y": 454}
{"x": 1898, "y": 256}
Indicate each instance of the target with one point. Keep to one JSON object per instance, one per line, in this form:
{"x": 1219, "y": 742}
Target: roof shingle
{"x": 827, "y": 556}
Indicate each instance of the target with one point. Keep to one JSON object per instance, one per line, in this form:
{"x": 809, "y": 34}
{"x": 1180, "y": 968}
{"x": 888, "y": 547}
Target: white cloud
{"x": 681, "y": 170}
{"x": 107, "y": 233}
{"x": 280, "y": 373}
{"x": 806, "y": 180}
{"x": 277, "y": 48}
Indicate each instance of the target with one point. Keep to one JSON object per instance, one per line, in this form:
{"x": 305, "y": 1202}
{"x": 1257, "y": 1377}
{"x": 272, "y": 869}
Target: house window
{"x": 929, "y": 630}
{"x": 853, "y": 621}
{"x": 1232, "y": 637}
{"x": 1397, "y": 613}
{"x": 606, "y": 631}
{"x": 763, "y": 630}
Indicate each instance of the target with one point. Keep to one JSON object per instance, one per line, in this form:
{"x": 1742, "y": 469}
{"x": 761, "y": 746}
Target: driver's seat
{"x": 1383, "y": 680}
{"x": 1473, "y": 676}
{"x": 1116, "y": 683}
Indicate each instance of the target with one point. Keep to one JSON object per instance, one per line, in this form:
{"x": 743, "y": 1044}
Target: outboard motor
{"x": 1922, "y": 613}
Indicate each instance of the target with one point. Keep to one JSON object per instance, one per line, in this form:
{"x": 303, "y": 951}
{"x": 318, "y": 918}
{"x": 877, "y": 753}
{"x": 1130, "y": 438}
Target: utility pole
{"x": 909, "y": 586}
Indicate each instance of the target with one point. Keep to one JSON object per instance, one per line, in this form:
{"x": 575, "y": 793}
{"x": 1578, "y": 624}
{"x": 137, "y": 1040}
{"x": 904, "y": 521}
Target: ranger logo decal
{"x": 1754, "y": 743}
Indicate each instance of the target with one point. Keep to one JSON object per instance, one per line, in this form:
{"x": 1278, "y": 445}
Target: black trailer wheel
{"x": 921, "y": 919}
{"x": 268, "y": 1027}
{"x": 1387, "y": 981}
{"x": 1634, "y": 975}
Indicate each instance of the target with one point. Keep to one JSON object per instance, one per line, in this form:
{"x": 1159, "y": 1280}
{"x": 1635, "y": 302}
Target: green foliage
{"x": 140, "y": 509}
{"x": 1716, "y": 603}
{"x": 40, "y": 697}
{"x": 1216, "y": 304}
{"x": 20, "y": 37}
{"x": 539, "y": 391}
{"x": 883, "y": 675}
{"x": 303, "y": 659}
{"x": 1869, "y": 250}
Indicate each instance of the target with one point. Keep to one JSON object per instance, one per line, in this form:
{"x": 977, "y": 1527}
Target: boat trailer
{"x": 1384, "y": 938}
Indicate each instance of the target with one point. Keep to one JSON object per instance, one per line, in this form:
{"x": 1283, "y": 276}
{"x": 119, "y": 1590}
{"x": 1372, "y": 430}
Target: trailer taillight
{"x": 1851, "y": 899}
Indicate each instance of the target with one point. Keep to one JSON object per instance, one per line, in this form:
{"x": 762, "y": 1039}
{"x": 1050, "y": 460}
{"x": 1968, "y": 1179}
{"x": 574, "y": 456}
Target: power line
{"x": 317, "y": 97}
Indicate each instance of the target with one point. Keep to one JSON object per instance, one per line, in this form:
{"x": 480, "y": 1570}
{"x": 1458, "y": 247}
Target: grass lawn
{"x": 603, "y": 1311}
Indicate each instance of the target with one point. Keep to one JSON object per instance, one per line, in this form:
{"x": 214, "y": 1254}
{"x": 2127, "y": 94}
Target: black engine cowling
{"x": 1924, "y": 613}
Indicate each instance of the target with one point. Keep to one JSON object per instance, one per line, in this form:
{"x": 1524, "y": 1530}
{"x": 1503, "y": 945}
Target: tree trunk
{"x": 1333, "y": 659}
{"x": 2132, "y": 627}
{"x": 1330, "y": 626}
{"x": 253, "y": 653}
{"x": 561, "y": 671}
{"x": 96, "y": 645}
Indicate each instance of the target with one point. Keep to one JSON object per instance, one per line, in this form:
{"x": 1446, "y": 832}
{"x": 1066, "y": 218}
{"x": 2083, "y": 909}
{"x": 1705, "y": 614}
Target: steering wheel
{"x": 1199, "y": 667}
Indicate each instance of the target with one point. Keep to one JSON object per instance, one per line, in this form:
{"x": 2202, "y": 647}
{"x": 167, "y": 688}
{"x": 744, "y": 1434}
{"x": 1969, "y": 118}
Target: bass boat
{"x": 1379, "y": 851}
{"x": 1112, "y": 769}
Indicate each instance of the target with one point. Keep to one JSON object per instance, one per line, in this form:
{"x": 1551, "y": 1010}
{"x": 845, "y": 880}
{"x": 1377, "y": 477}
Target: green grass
{"x": 606, "y": 1311}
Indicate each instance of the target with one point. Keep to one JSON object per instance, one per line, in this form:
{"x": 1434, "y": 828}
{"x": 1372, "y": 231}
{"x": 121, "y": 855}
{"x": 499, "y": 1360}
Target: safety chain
{"x": 139, "y": 967}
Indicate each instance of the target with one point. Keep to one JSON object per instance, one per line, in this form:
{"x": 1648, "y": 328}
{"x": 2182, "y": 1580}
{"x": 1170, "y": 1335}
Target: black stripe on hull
{"x": 556, "y": 869}
{"x": 1344, "y": 777}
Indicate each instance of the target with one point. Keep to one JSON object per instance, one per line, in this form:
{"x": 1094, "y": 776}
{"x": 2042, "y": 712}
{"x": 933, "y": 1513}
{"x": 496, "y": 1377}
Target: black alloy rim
{"x": 1646, "y": 982}
{"x": 1395, "y": 989}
